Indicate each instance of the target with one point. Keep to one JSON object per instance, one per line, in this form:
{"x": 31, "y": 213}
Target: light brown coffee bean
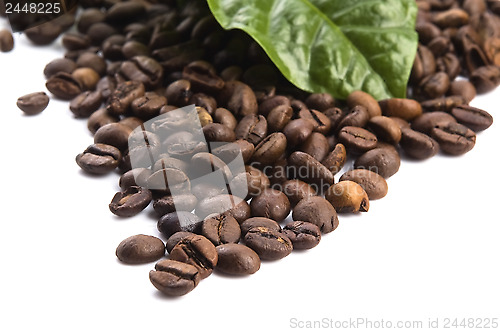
{"x": 348, "y": 197}
{"x": 140, "y": 249}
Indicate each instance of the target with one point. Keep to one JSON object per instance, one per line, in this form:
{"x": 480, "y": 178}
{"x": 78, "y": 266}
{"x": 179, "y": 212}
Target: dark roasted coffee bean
{"x": 92, "y": 60}
{"x": 335, "y": 115}
{"x": 43, "y": 34}
{"x": 443, "y": 104}
{"x": 216, "y": 132}
{"x": 268, "y": 244}
{"x": 435, "y": 85}
{"x": 233, "y": 205}
{"x": 348, "y": 197}
{"x": 134, "y": 48}
{"x": 485, "y": 79}
{"x": 320, "y": 101}
{"x": 439, "y": 46}
{"x": 239, "y": 98}
{"x": 304, "y": 235}
{"x": 316, "y": 146}
{"x": 198, "y": 251}
{"x": 385, "y": 162}
{"x": 279, "y": 117}
{"x": 6, "y": 41}
{"x": 179, "y": 92}
{"x": 454, "y": 17}
{"x": 203, "y": 77}
{"x": 462, "y": 88}
{"x": 230, "y": 151}
{"x": 115, "y": 134}
{"x": 297, "y": 131}
{"x": 174, "y": 278}
{"x": 251, "y": 183}
{"x": 318, "y": 211}
{"x": 225, "y": 117}
{"x": 237, "y": 259}
{"x": 357, "y": 139}
{"x": 125, "y": 11}
{"x": 259, "y": 222}
{"x": 272, "y": 204}
{"x": 454, "y": 138}
{"x": 169, "y": 204}
{"x": 148, "y": 106}
{"x": 310, "y": 170}
{"x": 472, "y": 117}
{"x": 270, "y": 149}
{"x": 221, "y": 229}
{"x": 85, "y": 103}
{"x": 252, "y": 128}
{"x": 33, "y": 103}
{"x": 336, "y": 159}
{"x": 130, "y": 202}
{"x": 63, "y": 86}
{"x": 167, "y": 181}
{"x": 266, "y": 106}
{"x": 406, "y": 109}
{"x": 134, "y": 177}
{"x": 427, "y": 121}
{"x": 423, "y": 65}
{"x": 59, "y": 65}
{"x": 180, "y": 221}
{"x": 132, "y": 122}
{"x": 385, "y": 129}
{"x": 418, "y": 145}
{"x": 321, "y": 123}
{"x": 99, "y": 31}
{"x": 374, "y": 185}
{"x": 176, "y": 238}
{"x": 143, "y": 69}
{"x": 139, "y": 249}
{"x": 474, "y": 7}
{"x": 122, "y": 97}
{"x": 449, "y": 64}
{"x": 297, "y": 190}
{"x": 358, "y": 116}
{"x": 99, "y": 159}
{"x": 427, "y": 31}
{"x": 74, "y": 41}
{"x": 206, "y": 163}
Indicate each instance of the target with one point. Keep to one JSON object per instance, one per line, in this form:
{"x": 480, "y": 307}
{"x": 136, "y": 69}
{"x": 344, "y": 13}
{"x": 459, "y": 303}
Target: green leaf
{"x": 334, "y": 46}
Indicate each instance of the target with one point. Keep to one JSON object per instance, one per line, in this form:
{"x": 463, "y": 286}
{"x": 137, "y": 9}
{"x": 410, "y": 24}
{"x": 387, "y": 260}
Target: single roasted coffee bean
{"x": 259, "y": 222}
{"x": 143, "y": 69}
{"x": 462, "y": 88}
{"x": 179, "y": 221}
{"x": 357, "y": 139}
{"x": 316, "y": 146}
{"x": 198, "y": 251}
{"x": 297, "y": 190}
{"x": 429, "y": 120}
{"x": 308, "y": 169}
{"x": 252, "y": 128}
{"x": 239, "y": 98}
{"x": 115, "y": 134}
{"x": 418, "y": 145}
{"x": 449, "y": 64}
{"x": 385, "y": 128}
{"x": 318, "y": 211}
{"x": 279, "y": 117}
{"x": 179, "y": 92}
{"x": 169, "y": 204}
{"x": 271, "y": 203}
{"x": 86, "y": 103}
{"x": 140, "y": 249}
{"x": 6, "y": 41}
{"x": 148, "y": 106}
{"x": 99, "y": 32}
{"x": 130, "y": 202}
{"x": 216, "y": 132}
{"x": 485, "y": 79}
{"x": 203, "y": 77}
{"x": 321, "y": 123}
{"x": 270, "y": 149}
{"x": 364, "y": 99}
{"x": 304, "y": 235}
{"x": 427, "y": 31}
{"x": 442, "y": 104}
{"x": 297, "y": 131}
{"x": 174, "y": 278}
{"x": 454, "y": 17}
{"x": 335, "y": 115}
{"x": 233, "y": 205}
{"x": 59, "y": 65}
{"x": 249, "y": 183}
{"x": 134, "y": 177}
{"x": 74, "y": 41}
{"x": 320, "y": 101}
{"x": 99, "y": 159}
{"x": 33, "y": 103}
{"x": 358, "y": 116}
{"x": 268, "y": 244}
{"x": 63, "y": 86}
{"x": 176, "y": 238}
{"x": 221, "y": 229}
{"x": 348, "y": 197}
{"x": 335, "y": 160}
{"x": 237, "y": 259}
{"x": 124, "y": 11}
{"x": 225, "y": 117}
{"x": 424, "y": 63}
{"x": 472, "y": 117}
{"x": 406, "y": 109}
{"x": 374, "y": 185}
{"x": 454, "y": 138}
{"x": 382, "y": 161}
{"x": 230, "y": 151}
{"x": 93, "y": 61}
{"x": 122, "y": 97}
{"x": 43, "y": 34}
{"x": 435, "y": 85}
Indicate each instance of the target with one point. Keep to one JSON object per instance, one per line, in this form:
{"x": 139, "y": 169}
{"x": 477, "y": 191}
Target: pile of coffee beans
{"x": 131, "y": 61}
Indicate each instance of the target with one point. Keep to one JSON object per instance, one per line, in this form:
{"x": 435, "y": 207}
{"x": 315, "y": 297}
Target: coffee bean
{"x": 442, "y": 104}
{"x": 99, "y": 31}
{"x": 374, "y": 185}
{"x": 336, "y": 159}
{"x": 385, "y": 128}
{"x": 233, "y": 205}
{"x": 176, "y": 238}
{"x": 63, "y": 86}
{"x": 59, "y": 65}
{"x": 252, "y": 128}
{"x": 435, "y": 85}
{"x": 316, "y": 146}
{"x": 198, "y": 251}
{"x": 239, "y": 98}
{"x": 6, "y": 41}
{"x": 124, "y": 11}
{"x": 174, "y": 278}
{"x": 99, "y": 159}
{"x": 304, "y": 235}
{"x": 418, "y": 145}
{"x": 259, "y": 222}
{"x": 401, "y": 123}
{"x": 130, "y": 202}
{"x": 270, "y": 149}
{"x": 364, "y": 99}
{"x": 139, "y": 249}
{"x": 272, "y": 204}
{"x": 310, "y": 170}
{"x": 33, "y": 103}
{"x": 221, "y": 229}
{"x": 348, "y": 197}
{"x": 43, "y": 34}
{"x": 180, "y": 221}
{"x": 85, "y": 103}
{"x": 318, "y": 211}
{"x": 134, "y": 48}
{"x": 335, "y": 115}
{"x": 279, "y": 117}
{"x": 203, "y": 77}
{"x": 237, "y": 259}
{"x": 485, "y": 79}
{"x": 454, "y": 17}
{"x": 472, "y": 117}
{"x": 320, "y": 101}
{"x": 321, "y": 123}
{"x": 204, "y": 117}
{"x": 267, "y": 105}
{"x": 216, "y": 132}
{"x": 454, "y": 138}
{"x": 115, "y": 134}
{"x": 74, "y": 41}
{"x": 143, "y": 69}
{"x": 406, "y": 109}
{"x": 168, "y": 204}
{"x": 424, "y": 64}
{"x": 297, "y": 131}
{"x": 268, "y": 244}
{"x": 231, "y": 151}
{"x": 427, "y": 121}
{"x": 462, "y": 88}
{"x": 225, "y": 117}
{"x": 250, "y": 183}
{"x": 122, "y": 97}
{"x": 427, "y": 31}
{"x": 134, "y": 177}
{"x": 87, "y": 78}
{"x": 358, "y": 116}
{"x": 449, "y": 64}
{"x": 179, "y": 92}
{"x": 297, "y": 190}
{"x": 385, "y": 162}
{"x": 148, "y": 106}
{"x": 357, "y": 139}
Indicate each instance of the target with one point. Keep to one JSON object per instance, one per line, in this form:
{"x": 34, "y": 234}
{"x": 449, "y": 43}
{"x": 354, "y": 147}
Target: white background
{"x": 429, "y": 249}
